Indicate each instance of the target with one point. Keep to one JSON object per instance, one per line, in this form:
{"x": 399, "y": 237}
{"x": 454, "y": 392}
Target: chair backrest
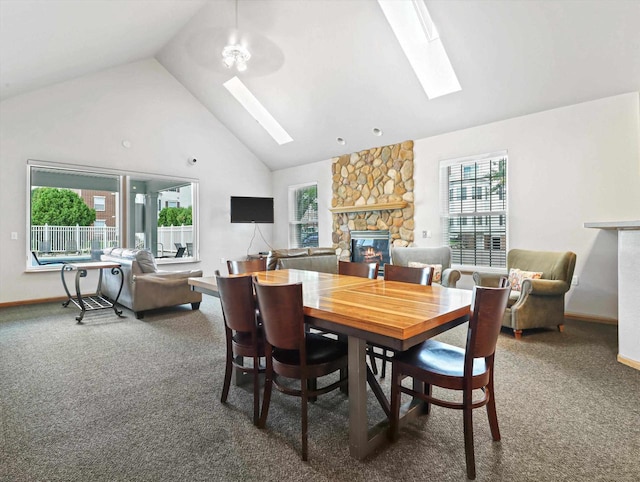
{"x": 419, "y": 276}
{"x": 487, "y": 311}
{"x": 553, "y": 265}
{"x": 189, "y": 249}
{"x": 238, "y": 302}
{"x": 282, "y": 314}
{"x": 363, "y": 270}
{"x": 248, "y": 266}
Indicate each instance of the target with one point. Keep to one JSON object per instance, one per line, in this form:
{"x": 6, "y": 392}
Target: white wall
{"x": 84, "y": 121}
{"x": 566, "y": 166}
{"x": 319, "y": 172}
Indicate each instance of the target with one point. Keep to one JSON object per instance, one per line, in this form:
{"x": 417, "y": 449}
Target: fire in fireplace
{"x": 370, "y": 247}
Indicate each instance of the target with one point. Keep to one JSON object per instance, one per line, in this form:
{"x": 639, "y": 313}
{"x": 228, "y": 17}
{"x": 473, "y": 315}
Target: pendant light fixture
{"x": 234, "y": 53}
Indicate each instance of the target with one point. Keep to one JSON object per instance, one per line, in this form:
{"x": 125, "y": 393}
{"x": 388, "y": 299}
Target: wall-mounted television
{"x": 251, "y": 209}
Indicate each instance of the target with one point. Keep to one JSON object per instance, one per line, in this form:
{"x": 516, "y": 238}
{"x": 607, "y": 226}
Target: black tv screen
{"x": 251, "y": 209}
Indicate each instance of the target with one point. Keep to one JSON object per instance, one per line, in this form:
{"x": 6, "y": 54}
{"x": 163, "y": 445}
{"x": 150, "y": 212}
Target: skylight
{"x": 257, "y": 110}
{"x": 420, "y": 41}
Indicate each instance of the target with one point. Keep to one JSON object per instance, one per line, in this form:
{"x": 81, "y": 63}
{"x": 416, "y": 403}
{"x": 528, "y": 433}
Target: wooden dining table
{"x": 390, "y": 314}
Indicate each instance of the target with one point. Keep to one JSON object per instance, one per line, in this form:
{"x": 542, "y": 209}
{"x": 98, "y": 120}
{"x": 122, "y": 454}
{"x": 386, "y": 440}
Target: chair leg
{"x": 372, "y": 360}
{"x": 426, "y": 406}
{"x": 491, "y": 411}
{"x": 228, "y": 369}
{"x": 384, "y": 364}
{"x": 312, "y": 385}
{"x": 256, "y": 390}
{"x": 517, "y": 334}
{"x": 394, "y": 419}
{"x": 561, "y": 327}
{"x": 468, "y": 443}
{"x": 266, "y": 398}
{"x": 305, "y": 393}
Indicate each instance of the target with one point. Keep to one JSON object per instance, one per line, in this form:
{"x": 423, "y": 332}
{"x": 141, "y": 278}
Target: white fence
{"x": 168, "y": 236}
{"x": 68, "y": 239}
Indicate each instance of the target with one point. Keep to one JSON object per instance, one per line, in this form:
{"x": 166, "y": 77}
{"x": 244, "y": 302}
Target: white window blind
{"x": 473, "y": 194}
{"x": 303, "y": 216}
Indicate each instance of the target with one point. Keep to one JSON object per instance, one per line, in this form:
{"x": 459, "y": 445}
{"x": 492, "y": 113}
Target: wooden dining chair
{"x": 248, "y": 266}
{"x": 243, "y": 335}
{"x": 293, "y": 353}
{"x": 362, "y": 270}
{"x": 436, "y": 363}
{"x": 405, "y": 274}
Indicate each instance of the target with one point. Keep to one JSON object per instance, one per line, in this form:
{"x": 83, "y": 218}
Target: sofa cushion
{"x": 517, "y": 275}
{"x": 437, "y": 269}
{"x": 146, "y": 261}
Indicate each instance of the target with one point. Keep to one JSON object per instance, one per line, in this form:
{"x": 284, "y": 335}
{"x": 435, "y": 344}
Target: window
{"x": 133, "y": 220}
{"x": 303, "y": 216}
{"x": 475, "y": 227}
{"x": 98, "y": 203}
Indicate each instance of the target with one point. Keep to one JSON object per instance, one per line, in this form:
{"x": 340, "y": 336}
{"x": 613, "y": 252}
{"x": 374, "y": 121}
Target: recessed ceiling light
{"x": 257, "y": 110}
{"x": 377, "y": 132}
{"x": 420, "y": 41}
{"x": 341, "y": 141}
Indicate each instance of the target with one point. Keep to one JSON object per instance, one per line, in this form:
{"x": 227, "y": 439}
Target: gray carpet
{"x": 127, "y": 399}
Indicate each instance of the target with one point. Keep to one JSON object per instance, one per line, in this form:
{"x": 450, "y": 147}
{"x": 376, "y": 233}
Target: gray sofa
{"x": 432, "y": 256}
{"x": 145, "y": 287}
{"x": 324, "y": 260}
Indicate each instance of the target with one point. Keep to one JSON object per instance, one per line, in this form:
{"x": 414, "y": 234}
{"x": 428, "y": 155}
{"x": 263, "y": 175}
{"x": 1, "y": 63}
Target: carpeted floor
{"x": 138, "y": 400}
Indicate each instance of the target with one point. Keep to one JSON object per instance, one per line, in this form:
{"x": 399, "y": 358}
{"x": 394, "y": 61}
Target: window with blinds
{"x": 303, "y": 216}
{"x": 474, "y": 209}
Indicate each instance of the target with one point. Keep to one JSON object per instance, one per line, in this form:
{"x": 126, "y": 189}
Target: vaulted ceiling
{"x": 333, "y": 68}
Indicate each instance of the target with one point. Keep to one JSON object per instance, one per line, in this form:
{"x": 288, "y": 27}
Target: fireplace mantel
{"x": 370, "y": 207}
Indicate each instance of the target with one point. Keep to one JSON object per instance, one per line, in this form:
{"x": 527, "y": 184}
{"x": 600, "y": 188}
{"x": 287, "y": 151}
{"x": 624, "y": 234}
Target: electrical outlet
{"x": 222, "y": 261}
{"x": 424, "y": 234}
{"x": 575, "y": 281}
{"x": 428, "y": 234}
{"x": 14, "y": 235}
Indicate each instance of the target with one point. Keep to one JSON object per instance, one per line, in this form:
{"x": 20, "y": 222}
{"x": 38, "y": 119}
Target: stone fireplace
{"x": 373, "y": 192}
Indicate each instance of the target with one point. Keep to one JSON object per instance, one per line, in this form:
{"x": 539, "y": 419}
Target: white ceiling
{"x": 332, "y": 68}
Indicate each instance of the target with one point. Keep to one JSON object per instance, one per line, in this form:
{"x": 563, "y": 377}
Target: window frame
{"x": 103, "y": 204}
{"x": 124, "y": 221}
{"x": 292, "y": 222}
{"x": 478, "y": 226}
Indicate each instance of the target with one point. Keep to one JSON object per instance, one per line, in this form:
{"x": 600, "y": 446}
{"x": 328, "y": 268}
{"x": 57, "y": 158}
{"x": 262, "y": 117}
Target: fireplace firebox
{"x": 371, "y": 247}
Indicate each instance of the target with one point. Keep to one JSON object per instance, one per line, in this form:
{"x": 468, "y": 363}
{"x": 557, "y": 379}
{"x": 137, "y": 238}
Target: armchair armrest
{"x": 490, "y": 280}
{"x": 544, "y": 287}
{"x": 450, "y": 277}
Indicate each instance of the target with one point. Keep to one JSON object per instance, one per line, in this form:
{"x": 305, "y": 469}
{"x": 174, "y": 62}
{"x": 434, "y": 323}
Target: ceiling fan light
{"x": 235, "y": 54}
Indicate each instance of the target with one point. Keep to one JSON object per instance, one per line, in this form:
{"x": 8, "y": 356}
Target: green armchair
{"x": 537, "y": 297}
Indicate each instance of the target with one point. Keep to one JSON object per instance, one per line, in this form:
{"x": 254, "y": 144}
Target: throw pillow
{"x": 517, "y": 275}
{"x": 437, "y": 269}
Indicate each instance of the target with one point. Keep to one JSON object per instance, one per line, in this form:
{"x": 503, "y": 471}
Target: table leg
{"x": 362, "y": 441}
{"x": 114, "y": 271}
{"x": 64, "y": 283}
{"x": 81, "y": 273}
